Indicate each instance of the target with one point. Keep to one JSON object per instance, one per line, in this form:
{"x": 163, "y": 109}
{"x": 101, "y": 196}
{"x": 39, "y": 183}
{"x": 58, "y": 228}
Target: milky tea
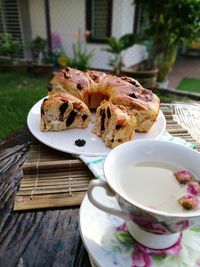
{"x": 153, "y": 185}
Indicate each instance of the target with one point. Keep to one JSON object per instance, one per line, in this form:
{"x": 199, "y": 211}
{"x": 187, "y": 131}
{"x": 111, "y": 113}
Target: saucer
{"x": 98, "y": 230}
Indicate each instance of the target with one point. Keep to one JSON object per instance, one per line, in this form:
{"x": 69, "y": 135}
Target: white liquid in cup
{"x": 153, "y": 185}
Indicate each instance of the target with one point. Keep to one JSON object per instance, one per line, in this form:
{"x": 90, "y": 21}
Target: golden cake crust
{"x": 113, "y": 124}
{"x": 93, "y": 86}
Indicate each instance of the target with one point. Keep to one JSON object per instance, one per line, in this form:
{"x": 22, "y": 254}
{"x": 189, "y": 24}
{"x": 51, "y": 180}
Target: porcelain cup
{"x": 153, "y": 228}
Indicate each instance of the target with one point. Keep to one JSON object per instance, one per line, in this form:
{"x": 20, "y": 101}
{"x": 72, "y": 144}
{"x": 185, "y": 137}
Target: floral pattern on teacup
{"x": 143, "y": 256}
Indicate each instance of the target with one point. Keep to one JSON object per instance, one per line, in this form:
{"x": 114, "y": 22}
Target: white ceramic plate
{"x": 98, "y": 232}
{"x": 64, "y": 140}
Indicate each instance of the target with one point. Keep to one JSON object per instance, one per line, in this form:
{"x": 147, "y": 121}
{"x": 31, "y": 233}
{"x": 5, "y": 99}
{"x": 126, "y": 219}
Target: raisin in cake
{"x": 113, "y": 124}
{"x": 63, "y": 111}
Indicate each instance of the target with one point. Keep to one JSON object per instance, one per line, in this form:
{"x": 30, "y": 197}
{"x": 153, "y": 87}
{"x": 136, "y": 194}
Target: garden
{"x": 168, "y": 30}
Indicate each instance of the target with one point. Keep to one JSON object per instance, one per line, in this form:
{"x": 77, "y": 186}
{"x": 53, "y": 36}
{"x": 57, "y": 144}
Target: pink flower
{"x": 198, "y": 263}
{"x": 183, "y": 224}
{"x": 87, "y": 33}
{"x": 189, "y": 202}
{"x": 140, "y": 259}
{"x": 183, "y": 176}
{"x": 122, "y": 227}
{"x": 153, "y": 226}
{"x": 56, "y": 41}
{"x": 82, "y": 37}
{"x": 193, "y": 188}
{"x": 173, "y": 251}
{"x": 74, "y": 36}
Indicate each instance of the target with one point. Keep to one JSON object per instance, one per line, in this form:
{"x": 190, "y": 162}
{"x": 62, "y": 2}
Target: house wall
{"x": 37, "y": 18}
{"x": 68, "y": 16}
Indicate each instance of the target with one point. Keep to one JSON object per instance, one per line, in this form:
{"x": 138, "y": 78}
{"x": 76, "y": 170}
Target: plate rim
{"x": 83, "y": 206}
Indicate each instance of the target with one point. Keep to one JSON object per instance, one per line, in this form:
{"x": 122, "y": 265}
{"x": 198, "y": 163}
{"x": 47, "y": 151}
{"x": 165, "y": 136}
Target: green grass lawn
{"x": 18, "y": 93}
{"x": 190, "y": 85}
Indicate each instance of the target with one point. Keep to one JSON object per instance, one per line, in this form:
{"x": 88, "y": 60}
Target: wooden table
{"x": 39, "y": 238}
{"x": 51, "y": 237}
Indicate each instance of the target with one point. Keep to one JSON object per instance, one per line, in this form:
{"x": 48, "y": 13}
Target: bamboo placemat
{"x": 55, "y": 179}
{"x": 51, "y": 179}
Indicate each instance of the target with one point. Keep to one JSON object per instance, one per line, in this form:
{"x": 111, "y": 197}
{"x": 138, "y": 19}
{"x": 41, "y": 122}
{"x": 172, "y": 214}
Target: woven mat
{"x": 54, "y": 179}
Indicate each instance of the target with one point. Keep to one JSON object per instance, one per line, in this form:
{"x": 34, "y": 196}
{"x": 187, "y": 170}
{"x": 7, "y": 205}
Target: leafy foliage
{"x": 81, "y": 55}
{"x": 39, "y": 50}
{"x": 116, "y": 46}
{"x": 9, "y": 46}
{"x": 171, "y": 23}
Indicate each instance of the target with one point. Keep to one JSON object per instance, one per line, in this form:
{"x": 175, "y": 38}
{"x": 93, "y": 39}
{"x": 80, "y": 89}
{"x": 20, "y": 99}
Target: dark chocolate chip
{"x": 71, "y": 118}
{"x": 80, "y": 142}
{"x": 108, "y": 113}
{"x": 67, "y": 69}
{"x": 45, "y": 100}
{"x": 66, "y": 76}
{"x": 42, "y": 111}
{"x": 84, "y": 117}
{"x": 134, "y": 83}
{"x": 112, "y": 140}
{"x": 119, "y": 140}
{"x": 133, "y": 95}
{"x": 118, "y": 126}
{"x": 49, "y": 88}
{"x": 79, "y": 86}
{"x": 63, "y": 108}
{"x": 103, "y": 120}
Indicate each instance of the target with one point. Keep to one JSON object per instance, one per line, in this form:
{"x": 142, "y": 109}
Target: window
{"x": 99, "y": 19}
{"x": 10, "y": 21}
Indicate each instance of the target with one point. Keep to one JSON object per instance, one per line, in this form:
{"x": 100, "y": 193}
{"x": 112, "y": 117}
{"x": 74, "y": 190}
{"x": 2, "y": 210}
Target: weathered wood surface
{"x": 39, "y": 239}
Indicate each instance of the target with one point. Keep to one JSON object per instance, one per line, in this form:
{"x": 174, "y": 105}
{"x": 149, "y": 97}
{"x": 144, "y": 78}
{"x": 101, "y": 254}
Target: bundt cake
{"x": 92, "y": 87}
{"x": 113, "y": 124}
{"x": 63, "y": 111}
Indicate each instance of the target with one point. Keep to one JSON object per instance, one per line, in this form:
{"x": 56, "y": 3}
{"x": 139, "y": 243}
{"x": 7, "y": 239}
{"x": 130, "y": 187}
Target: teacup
{"x": 157, "y": 229}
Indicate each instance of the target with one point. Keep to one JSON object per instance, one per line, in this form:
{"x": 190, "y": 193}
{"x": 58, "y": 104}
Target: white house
{"x": 66, "y": 17}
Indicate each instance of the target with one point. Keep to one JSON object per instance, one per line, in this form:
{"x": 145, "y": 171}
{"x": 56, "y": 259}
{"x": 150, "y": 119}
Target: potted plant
{"x": 117, "y": 47}
{"x": 193, "y": 49}
{"x": 170, "y": 24}
{"x": 81, "y": 56}
{"x": 42, "y": 63}
{"x": 9, "y": 47}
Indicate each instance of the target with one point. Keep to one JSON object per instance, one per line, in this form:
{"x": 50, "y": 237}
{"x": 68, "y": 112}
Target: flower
{"x": 183, "y": 176}
{"x": 56, "y": 41}
{"x": 153, "y": 226}
{"x": 122, "y": 227}
{"x": 140, "y": 259}
{"x": 87, "y": 33}
{"x": 74, "y": 36}
{"x": 193, "y": 188}
{"x": 173, "y": 250}
{"x": 189, "y": 202}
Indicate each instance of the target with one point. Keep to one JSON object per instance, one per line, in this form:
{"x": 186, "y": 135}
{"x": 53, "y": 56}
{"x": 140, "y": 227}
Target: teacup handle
{"x": 94, "y": 183}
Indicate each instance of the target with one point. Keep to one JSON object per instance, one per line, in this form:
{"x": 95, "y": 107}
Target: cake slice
{"x": 113, "y": 124}
{"x": 63, "y": 111}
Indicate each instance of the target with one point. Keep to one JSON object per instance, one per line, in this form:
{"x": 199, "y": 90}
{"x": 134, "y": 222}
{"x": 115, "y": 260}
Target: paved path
{"x": 184, "y": 67}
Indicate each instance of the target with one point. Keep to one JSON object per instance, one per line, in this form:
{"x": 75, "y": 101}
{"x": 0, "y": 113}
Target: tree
{"x": 170, "y": 24}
